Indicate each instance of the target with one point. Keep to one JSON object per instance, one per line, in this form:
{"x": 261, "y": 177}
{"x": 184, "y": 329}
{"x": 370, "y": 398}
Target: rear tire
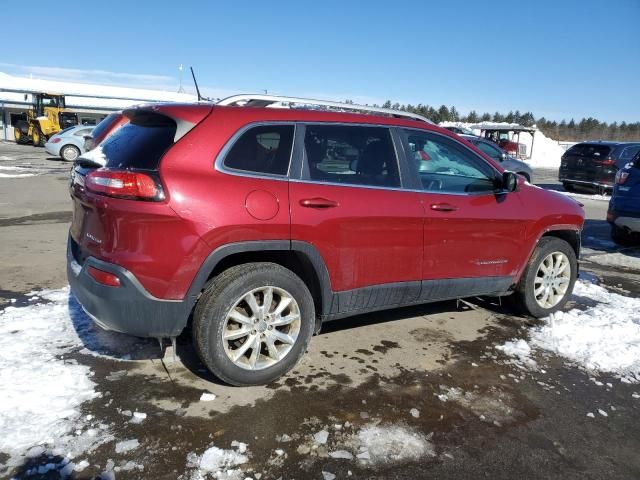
{"x": 224, "y": 323}
{"x": 546, "y": 284}
{"x": 568, "y": 186}
{"x": 69, "y": 153}
{"x": 18, "y": 133}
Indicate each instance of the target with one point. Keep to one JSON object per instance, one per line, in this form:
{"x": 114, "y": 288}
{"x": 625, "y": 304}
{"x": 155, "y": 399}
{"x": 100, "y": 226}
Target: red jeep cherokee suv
{"x": 261, "y": 223}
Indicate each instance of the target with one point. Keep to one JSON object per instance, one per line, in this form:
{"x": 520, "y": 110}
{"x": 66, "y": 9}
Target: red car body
{"x": 357, "y": 242}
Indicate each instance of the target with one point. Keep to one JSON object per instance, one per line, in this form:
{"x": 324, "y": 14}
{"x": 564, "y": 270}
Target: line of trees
{"x": 568, "y": 131}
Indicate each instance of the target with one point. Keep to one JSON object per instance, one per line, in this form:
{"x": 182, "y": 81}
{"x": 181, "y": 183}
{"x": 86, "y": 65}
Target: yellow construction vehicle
{"x": 46, "y": 118}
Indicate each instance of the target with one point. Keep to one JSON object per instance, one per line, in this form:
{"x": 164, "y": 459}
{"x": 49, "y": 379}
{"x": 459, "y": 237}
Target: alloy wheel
{"x": 552, "y": 280}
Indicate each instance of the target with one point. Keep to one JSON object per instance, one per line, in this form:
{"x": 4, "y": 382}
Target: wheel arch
{"x": 569, "y": 234}
{"x": 302, "y": 258}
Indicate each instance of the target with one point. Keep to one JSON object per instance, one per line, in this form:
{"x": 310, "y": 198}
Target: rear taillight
{"x": 105, "y": 278}
{"x": 621, "y": 177}
{"x": 606, "y": 161}
{"x": 55, "y": 140}
{"x": 124, "y": 184}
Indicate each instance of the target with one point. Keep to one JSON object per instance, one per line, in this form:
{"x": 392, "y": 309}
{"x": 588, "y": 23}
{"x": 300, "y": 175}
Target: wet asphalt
{"x": 510, "y": 423}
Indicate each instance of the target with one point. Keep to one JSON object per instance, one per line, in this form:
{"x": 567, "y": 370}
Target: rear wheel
{"x": 569, "y": 187}
{"x": 548, "y": 279}
{"x": 69, "y": 153}
{"x": 253, "y": 323}
{"x": 19, "y": 135}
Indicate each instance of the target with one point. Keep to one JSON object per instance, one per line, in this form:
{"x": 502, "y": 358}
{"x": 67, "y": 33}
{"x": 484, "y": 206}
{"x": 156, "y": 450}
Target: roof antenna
{"x": 200, "y": 97}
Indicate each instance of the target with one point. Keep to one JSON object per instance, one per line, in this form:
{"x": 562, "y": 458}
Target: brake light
{"x": 55, "y": 140}
{"x": 621, "y": 177}
{"x": 124, "y": 184}
{"x": 606, "y": 161}
{"x": 105, "y": 278}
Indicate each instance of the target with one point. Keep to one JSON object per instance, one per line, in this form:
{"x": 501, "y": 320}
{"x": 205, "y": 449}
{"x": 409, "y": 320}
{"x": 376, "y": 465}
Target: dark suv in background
{"x": 595, "y": 164}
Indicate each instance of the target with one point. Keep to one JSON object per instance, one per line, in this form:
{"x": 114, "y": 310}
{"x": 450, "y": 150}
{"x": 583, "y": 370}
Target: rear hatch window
{"x": 138, "y": 145}
{"x": 590, "y": 150}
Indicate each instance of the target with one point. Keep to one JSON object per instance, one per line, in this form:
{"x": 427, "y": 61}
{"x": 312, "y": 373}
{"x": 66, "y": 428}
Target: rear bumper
{"x": 588, "y": 183}
{"x": 52, "y": 149}
{"x": 128, "y": 308}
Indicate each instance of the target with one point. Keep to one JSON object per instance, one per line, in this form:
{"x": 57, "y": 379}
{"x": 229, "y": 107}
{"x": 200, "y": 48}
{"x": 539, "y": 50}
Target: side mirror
{"x": 509, "y": 181}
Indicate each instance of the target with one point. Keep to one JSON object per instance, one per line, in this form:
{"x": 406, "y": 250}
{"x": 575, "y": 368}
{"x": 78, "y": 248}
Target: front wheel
{"x": 548, "y": 279}
{"x": 38, "y": 138}
{"x": 69, "y": 153}
{"x": 253, "y": 323}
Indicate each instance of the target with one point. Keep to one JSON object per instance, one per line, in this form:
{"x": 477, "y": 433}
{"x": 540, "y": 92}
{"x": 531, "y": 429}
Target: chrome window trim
{"x": 219, "y": 161}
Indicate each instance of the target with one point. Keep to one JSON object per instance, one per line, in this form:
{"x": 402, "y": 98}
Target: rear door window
{"x": 262, "y": 149}
{"x": 355, "y": 155}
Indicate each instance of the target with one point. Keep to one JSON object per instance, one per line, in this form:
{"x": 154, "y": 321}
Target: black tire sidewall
{"x": 218, "y": 300}
{"x": 526, "y": 295}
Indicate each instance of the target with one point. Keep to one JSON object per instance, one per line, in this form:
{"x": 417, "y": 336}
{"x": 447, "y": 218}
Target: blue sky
{"x": 560, "y": 59}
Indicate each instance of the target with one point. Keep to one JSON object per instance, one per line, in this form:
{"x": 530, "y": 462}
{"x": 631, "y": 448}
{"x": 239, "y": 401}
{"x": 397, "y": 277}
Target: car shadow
{"x": 114, "y": 345}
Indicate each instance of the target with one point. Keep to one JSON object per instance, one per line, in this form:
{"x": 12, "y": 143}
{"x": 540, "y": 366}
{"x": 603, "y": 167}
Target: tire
{"x": 568, "y": 186}
{"x": 525, "y": 294}
{"x": 18, "y": 133}
{"x": 620, "y": 236}
{"x": 38, "y": 138}
{"x": 225, "y": 294}
{"x": 69, "y": 153}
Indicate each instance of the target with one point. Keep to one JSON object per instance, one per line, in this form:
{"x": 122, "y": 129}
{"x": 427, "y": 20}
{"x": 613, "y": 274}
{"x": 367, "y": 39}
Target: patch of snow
{"x": 207, "y": 397}
{"x": 613, "y": 259}
{"x": 218, "y": 463}
{"x": 96, "y": 155}
{"x": 604, "y": 337}
{"x": 415, "y": 413}
{"x": 341, "y": 454}
{"x": 321, "y": 437}
{"x": 591, "y": 415}
{"x": 41, "y": 392}
{"x": 603, "y": 413}
{"x": 138, "y": 417}
{"x": 392, "y": 443}
{"x": 520, "y": 350}
{"x": 127, "y": 445}
{"x": 328, "y": 475}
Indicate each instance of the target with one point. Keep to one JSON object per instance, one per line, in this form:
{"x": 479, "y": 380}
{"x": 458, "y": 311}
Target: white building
{"x": 90, "y": 101}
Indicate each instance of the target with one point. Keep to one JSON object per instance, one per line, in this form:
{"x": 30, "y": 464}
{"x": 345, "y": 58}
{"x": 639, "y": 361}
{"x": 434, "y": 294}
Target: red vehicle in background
{"x": 106, "y": 127}
{"x": 261, "y": 223}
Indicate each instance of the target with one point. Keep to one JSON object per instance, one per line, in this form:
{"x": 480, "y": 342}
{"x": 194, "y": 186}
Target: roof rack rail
{"x": 259, "y": 100}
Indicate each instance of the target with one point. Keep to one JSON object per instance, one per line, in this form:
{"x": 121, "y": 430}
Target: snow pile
{"x": 392, "y": 443}
{"x": 546, "y": 152}
{"x": 96, "y": 155}
{"x": 612, "y": 259}
{"x": 520, "y": 350}
{"x": 600, "y": 338}
{"x": 41, "y": 392}
{"x": 218, "y": 463}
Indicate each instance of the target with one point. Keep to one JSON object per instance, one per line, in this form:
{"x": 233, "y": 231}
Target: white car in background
{"x": 68, "y": 143}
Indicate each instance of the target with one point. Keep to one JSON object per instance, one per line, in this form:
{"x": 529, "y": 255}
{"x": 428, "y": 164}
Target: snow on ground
{"x": 15, "y": 172}
{"x": 612, "y": 259}
{"x": 41, "y": 391}
{"x": 218, "y": 463}
{"x": 546, "y": 152}
{"x": 381, "y": 444}
{"x": 604, "y": 337}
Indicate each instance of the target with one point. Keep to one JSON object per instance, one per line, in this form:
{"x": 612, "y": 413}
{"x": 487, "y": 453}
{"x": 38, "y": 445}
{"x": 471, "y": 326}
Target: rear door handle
{"x": 318, "y": 202}
{"x": 443, "y": 207}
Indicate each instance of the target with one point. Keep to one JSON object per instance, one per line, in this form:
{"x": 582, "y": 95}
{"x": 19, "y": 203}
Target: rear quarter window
{"x": 627, "y": 154}
{"x": 590, "y": 150}
{"x": 263, "y": 149}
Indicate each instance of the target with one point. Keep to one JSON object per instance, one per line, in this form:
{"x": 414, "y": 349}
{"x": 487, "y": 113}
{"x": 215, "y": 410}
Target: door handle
{"x": 318, "y": 202}
{"x": 443, "y": 207}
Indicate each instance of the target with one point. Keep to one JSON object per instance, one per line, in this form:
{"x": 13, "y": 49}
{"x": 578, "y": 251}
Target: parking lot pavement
{"x": 418, "y": 392}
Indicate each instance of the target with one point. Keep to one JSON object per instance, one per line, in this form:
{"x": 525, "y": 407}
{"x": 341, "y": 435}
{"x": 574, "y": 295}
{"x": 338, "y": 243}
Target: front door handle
{"x": 443, "y": 207}
{"x": 318, "y": 202}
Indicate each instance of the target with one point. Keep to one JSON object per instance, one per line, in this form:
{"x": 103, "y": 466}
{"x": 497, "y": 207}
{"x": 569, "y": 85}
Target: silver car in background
{"x": 500, "y": 156}
{"x": 68, "y": 143}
